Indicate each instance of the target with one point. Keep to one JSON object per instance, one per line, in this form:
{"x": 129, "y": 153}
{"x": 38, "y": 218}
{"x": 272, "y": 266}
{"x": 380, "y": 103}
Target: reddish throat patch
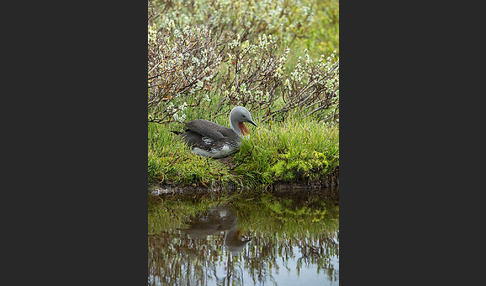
{"x": 244, "y": 129}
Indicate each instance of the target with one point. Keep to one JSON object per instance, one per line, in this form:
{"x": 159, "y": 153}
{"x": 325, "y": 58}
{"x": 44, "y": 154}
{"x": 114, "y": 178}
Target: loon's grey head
{"x": 238, "y": 116}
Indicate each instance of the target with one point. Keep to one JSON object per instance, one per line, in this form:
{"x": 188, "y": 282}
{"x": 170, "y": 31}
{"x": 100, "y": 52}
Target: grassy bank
{"x": 298, "y": 149}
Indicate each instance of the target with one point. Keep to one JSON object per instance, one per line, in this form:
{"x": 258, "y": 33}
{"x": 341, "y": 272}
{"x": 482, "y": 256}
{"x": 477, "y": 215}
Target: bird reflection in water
{"x": 214, "y": 222}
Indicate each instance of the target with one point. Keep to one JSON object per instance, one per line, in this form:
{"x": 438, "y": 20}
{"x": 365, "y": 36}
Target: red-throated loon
{"x": 212, "y": 140}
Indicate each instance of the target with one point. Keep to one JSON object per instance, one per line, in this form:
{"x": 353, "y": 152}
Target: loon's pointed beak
{"x": 249, "y": 121}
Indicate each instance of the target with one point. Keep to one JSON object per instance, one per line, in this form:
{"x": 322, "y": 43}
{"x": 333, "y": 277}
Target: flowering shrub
{"x": 289, "y": 20}
{"x": 235, "y": 53}
{"x": 181, "y": 63}
{"x": 313, "y": 86}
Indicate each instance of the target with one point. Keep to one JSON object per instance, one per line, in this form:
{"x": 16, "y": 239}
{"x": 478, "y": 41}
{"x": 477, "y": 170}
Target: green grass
{"x": 298, "y": 149}
{"x": 169, "y": 160}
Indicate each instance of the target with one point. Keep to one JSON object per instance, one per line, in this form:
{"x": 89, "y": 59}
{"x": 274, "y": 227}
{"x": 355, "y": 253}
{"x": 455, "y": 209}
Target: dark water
{"x": 246, "y": 238}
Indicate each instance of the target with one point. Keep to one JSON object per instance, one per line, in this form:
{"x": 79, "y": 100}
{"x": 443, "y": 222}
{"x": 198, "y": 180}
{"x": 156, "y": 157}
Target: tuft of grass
{"x": 299, "y": 149}
{"x": 170, "y": 160}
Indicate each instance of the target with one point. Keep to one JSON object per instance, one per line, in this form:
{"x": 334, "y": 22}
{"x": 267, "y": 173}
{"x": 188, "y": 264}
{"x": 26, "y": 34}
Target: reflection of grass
{"x": 172, "y": 212}
{"x": 258, "y": 212}
{"x": 286, "y": 217}
{"x": 279, "y": 226}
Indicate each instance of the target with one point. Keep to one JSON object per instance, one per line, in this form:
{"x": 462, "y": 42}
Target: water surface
{"x": 244, "y": 238}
